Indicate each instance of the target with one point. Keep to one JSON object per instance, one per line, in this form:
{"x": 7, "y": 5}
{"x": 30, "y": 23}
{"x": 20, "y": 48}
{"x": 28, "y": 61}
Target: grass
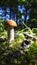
{"x": 15, "y": 55}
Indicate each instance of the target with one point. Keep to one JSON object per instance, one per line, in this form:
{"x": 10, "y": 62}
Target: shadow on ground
{"x": 10, "y": 57}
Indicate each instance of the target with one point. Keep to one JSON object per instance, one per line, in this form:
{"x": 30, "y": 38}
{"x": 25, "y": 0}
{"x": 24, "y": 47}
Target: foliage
{"x": 34, "y": 30}
{"x": 21, "y": 1}
{"x": 9, "y": 56}
{"x": 2, "y": 30}
{"x": 33, "y": 23}
{"x": 14, "y": 55}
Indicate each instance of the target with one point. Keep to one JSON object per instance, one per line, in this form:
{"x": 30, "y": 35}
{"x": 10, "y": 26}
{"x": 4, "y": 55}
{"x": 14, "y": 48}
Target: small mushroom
{"x": 9, "y": 25}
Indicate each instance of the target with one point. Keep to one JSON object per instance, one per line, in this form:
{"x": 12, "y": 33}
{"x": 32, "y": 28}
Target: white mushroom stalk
{"x": 10, "y": 24}
{"x": 11, "y": 35}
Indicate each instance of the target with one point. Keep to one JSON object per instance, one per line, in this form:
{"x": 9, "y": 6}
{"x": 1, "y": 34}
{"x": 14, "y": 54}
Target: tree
{"x": 33, "y": 14}
{"x": 30, "y": 7}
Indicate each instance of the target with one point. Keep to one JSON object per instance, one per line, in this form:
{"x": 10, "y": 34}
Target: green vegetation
{"x": 14, "y": 54}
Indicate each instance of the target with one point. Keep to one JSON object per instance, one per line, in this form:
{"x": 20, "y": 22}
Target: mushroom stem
{"x": 10, "y": 35}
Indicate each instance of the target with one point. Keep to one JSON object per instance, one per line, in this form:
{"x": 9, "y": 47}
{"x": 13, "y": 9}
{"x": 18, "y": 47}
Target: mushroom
{"x": 9, "y": 25}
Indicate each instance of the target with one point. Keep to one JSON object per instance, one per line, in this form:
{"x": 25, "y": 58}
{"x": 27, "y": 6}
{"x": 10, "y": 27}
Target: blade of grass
{"x": 27, "y": 27}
